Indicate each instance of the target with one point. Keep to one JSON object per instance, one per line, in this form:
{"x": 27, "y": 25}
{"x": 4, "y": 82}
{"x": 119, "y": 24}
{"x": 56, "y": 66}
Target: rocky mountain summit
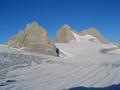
{"x": 65, "y": 34}
{"x": 33, "y": 39}
{"x": 94, "y": 32}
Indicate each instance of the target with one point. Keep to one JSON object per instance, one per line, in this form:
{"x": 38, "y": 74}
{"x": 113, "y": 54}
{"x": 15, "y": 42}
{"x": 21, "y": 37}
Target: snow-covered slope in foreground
{"x": 85, "y": 63}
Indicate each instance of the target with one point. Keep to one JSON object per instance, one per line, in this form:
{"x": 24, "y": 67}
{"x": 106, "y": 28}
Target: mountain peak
{"x": 94, "y": 32}
{"x": 66, "y": 26}
{"x": 34, "y": 26}
{"x": 34, "y": 23}
{"x": 33, "y": 39}
{"x": 65, "y": 34}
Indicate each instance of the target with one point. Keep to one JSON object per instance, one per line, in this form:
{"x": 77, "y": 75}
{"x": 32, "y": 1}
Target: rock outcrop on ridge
{"x": 94, "y": 33}
{"x": 33, "y": 39}
{"x": 65, "y": 34}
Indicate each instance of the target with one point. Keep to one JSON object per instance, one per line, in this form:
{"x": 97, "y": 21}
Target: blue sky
{"x": 51, "y": 14}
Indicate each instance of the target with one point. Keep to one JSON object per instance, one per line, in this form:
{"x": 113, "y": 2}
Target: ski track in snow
{"x": 84, "y": 63}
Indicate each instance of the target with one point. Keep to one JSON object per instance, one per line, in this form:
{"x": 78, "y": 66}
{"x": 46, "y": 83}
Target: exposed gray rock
{"x": 95, "y": 33}
{"x": 34, "y": 39}
{"x": 64, "y": 35}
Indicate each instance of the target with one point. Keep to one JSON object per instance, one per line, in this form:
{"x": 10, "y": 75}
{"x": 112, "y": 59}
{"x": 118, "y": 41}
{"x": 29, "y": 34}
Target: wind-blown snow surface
{"x": 84, "y": 63}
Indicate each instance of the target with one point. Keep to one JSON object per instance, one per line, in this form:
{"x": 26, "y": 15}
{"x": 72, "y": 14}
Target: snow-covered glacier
{"x": 84, "y": 62}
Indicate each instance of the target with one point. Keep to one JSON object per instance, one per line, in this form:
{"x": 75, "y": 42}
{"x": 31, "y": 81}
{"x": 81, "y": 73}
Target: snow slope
{"x": 83, "y": 64}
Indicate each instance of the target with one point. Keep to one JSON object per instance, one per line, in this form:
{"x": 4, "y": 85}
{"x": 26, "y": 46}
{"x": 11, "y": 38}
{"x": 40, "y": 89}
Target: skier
{"x": 57, "y": 51}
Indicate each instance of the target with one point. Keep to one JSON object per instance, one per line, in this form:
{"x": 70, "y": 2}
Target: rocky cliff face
{"x": 33, "y": 39}
{"x": 65, "y": 34}
{"x": 95, "y": 33}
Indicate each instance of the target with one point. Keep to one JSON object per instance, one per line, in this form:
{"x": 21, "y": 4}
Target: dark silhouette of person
{"x": 57, "y": 51}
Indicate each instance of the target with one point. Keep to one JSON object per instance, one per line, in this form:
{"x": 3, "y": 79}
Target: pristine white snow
{"x": 85, "y": 37}
{"x": 82, "y": 63}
